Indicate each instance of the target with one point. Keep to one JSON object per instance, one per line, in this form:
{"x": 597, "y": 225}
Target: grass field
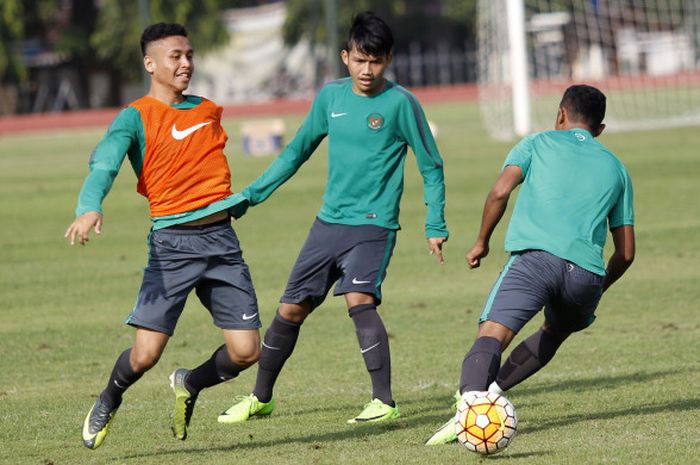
{"x": 625, "y": 391}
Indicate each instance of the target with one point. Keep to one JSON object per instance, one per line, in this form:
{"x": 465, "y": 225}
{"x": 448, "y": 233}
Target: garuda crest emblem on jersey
{"x": 375, "y": 121}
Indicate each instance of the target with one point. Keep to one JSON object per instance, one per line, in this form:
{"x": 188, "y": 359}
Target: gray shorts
{"x": 355, "y": 256}
{"x": 534, "y": 279}
{"x": 207, "y": 259}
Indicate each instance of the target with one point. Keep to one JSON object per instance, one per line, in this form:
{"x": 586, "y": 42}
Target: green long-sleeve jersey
{"x": 367, "y": 141}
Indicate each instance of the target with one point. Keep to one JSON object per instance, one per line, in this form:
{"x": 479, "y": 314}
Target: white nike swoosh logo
{"x": 270, "y": 347}
{"x": 355, "y": 281}
{"x": 249, "y": 317}
{"x": 179, "y": 135}
{"x": 362, "y": 351}
{"x": 337, "y": 115}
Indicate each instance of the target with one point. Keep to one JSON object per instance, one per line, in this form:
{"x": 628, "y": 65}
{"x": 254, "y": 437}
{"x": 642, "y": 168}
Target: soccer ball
{"x": 485, "y": 422}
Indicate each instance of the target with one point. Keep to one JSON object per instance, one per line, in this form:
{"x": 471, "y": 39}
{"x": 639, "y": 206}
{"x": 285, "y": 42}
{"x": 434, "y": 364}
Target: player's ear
{"x": 561, "y": 118}
{"x": 600, "y": 130}
{"x": 148, "y": 63}
{"x": 344, "y": 56}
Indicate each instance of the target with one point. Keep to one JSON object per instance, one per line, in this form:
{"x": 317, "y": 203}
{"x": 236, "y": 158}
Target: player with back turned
{"x": 370, "y": 122}
{"x": 573, "y": 191}
{"x": 175, "y": 145}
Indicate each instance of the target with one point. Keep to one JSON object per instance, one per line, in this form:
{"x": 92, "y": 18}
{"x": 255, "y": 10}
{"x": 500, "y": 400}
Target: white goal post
{"x": 643, "y": 54}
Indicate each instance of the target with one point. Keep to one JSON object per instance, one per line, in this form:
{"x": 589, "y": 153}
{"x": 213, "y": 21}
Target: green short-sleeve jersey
{"x": 573, "y": 191}
{"x": 125, "y": 137}
{"x": 367, "y": 143}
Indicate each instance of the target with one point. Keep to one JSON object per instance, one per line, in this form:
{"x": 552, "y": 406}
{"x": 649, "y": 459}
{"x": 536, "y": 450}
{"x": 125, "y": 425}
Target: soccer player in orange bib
{"x": 175, "y": 145}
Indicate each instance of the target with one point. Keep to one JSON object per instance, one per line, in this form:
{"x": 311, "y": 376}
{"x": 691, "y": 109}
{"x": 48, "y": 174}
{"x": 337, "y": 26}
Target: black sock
{"x": 374, "y": 345}
{"x": 527, "y": 358}
{"x": 216, "y": 370}
{"x": 121, "y": 378}
{"x": 480, "y": 365}
{"x": 278, "y": 344}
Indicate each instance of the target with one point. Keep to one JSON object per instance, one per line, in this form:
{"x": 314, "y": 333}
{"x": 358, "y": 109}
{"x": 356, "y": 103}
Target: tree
{"x": 427, "y": 22}
{"x": 115, "y": 38}
{"x": 100, "y": 35}
{"x": 17, "y": 19}
{"x": 11, "y": 28}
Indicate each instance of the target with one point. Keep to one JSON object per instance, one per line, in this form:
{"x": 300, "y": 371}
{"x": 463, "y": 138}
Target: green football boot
{"x": 374, "y": 411}
{"x": 457, "y": 397}
{"x": 245, "y": 408}
{"x": 444, "y": 435}
{"x": 184, "y": 404}
{"x": 96, "y": 424}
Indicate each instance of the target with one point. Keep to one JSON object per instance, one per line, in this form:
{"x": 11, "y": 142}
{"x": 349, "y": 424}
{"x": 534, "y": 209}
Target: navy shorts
{"x": 206, "y": 259}
{"x": 355, "y": 256}
{"x": 534, "y": 279}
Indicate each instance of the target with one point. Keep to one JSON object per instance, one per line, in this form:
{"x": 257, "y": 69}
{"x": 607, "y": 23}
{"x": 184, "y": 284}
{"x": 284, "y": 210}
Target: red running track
{"x": 95, "y": 118}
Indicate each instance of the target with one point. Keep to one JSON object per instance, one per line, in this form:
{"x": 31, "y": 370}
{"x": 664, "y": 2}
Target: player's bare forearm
{"x": 494, "y": 208}
{"x": 622, "y": 257}
{"x": 497, "y": 201}
{"x": 617, "y": 266}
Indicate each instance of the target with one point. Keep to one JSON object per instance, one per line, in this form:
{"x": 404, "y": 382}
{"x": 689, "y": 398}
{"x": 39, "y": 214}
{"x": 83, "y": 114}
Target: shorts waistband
{"x": 198, "y": 229}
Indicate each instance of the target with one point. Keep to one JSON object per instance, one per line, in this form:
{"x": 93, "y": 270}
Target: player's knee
{"x": 144, "y": 360}
{"x": 559, "y": 336}
{"x": 295, "y": 313}
{"x": 354, "y": 299}
{"x": 492, "y": 329}
{"x": 245, "y": 356}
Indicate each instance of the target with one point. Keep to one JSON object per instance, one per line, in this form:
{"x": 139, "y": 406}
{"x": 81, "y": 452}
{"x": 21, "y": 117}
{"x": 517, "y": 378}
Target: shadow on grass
{"x": 439, "y": 407}
{"x": 597, "y": 383}
{"x": 435, "y": 404}
{"x": 315, "y": 441}
{"x": 517, "y": 456}
{"x": 690, "y": 405}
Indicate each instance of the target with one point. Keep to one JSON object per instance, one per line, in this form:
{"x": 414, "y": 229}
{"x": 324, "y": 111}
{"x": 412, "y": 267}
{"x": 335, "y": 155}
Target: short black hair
{"x": 585, "y": 104}
{"x": 370, "y": 35}
{"x": 159, "y": 31}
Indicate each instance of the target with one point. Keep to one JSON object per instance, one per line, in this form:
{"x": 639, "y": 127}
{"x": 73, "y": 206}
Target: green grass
{"x": 623, "y": 391}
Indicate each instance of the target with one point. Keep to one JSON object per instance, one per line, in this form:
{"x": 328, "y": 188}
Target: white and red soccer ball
{"x": 485, "y": 422}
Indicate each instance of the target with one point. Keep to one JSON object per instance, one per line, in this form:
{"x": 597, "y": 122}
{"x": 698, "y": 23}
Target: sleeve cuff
{"x": 432, "y": 232}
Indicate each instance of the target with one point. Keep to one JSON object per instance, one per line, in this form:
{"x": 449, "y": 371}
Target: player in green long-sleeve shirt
{"x": 369, "y": 122}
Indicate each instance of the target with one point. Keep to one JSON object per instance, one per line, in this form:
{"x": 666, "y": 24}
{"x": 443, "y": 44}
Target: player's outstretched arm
{"x": 435, "y": 245}
{"x": 494, "y": 207}
{"x": 622, "y": 257}
{"x": 312, "y": 131}
{"x": 80, "y": 228}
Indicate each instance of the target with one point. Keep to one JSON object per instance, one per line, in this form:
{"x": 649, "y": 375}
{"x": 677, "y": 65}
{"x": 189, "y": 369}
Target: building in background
{"x": 256, "y": 65}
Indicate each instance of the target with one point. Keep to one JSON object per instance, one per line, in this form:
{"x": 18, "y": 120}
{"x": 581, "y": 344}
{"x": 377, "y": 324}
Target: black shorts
{"x": 534, "y": 279}
{"x": 207, "y": 259}
{"x": 356, "y": 257}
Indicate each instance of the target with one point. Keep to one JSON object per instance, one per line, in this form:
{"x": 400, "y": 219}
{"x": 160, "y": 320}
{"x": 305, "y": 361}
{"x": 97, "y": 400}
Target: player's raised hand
{"x": 80, "y": 228}
{"x": 435, "y": 246}
{"x": 478, "y": 251}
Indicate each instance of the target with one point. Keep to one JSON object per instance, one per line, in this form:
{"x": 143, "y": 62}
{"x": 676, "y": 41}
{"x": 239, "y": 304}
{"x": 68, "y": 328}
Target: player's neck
{"x": 566, "y": 125}
{"x": 371, "y": 92}
{"x": 165, "y": 95}
{"x": 579, "y": 126}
